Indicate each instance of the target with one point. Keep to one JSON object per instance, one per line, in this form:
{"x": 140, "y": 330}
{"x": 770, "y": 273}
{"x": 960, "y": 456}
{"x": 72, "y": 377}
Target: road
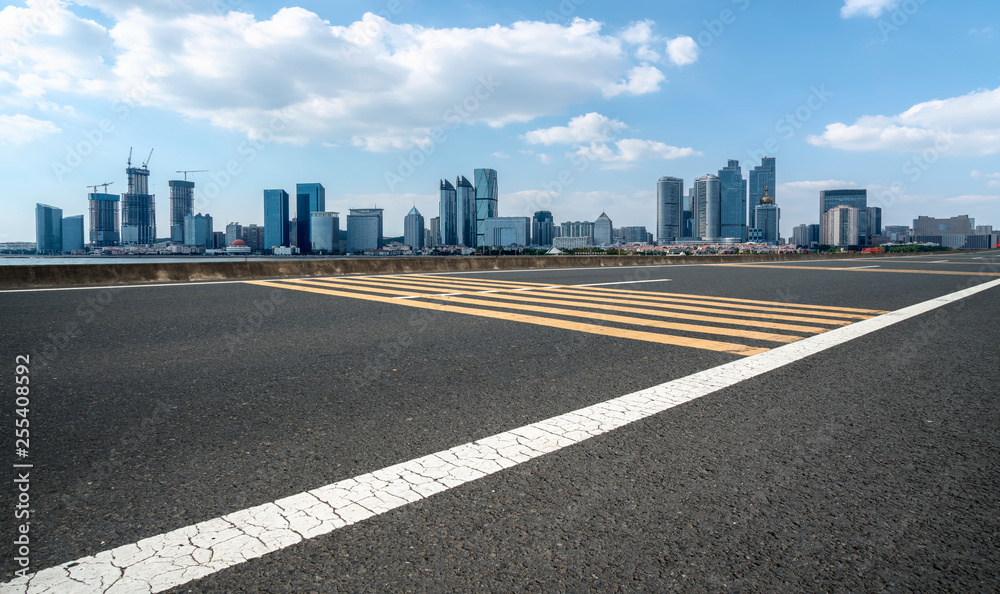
{"x": 864, "y": 463}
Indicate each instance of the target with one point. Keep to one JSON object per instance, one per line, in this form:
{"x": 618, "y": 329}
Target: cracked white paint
{"x": 168, "y": 560}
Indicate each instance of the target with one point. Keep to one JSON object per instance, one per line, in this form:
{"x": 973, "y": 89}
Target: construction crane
{"x": 145, "y": 165}
{"x": 186, "y": 172}
{"x": 130, "y": 157}
{"x": 105, "y": 185}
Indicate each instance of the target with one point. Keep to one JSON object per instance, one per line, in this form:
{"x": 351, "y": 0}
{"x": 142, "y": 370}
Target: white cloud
{"x": 591, "y": 127}
{"x": 973, "y": 199}
{"x": 969, "y": 124}
{"x": 501, "y": 155}
{"x": 632, "y": 150}
{"x": 372, "y": 83}
{"x": 639, "y": 33}
{"x": 640, "y": 80}
{"x": 19, "y": 129}
{"x": 682, "y": 50}
{"x": 871, "y": 8}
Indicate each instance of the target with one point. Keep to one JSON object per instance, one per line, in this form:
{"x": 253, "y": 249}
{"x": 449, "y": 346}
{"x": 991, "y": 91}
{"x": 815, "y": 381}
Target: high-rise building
{"x": 584, "y": 229}
{"x": 687, "y": 215}
{"x": 435, "y": 229}
{"x": 104, "y": 230}
{"x": 604, "y": 230}
{"x": 874, "y": 224}
{"x": 449, "y": 213}
{"x": 961, "y": 225}
{"x": 506, "y": 231}
{"x": 841, "y": 226}
{"x": 234, "y": 231}
{"x": 72, "y": 233}
{"x": 669, "y": 209}
{"x": 48, "y": 229}
{"x": 767, "y": 220}
{"x": 253, "y": 236}
{"x": 181, "y": 205}
{"x": 324, "y": 232}
{"x": 138, "y": 209}
{"x": 364, "y": 229}
{"x": 275, "y": 219}
{"x": 707, "y": 207}
{"x": 541, "y": 228}
{"x": 198, "y": 230}
{"x": 762, "y": 177}
{"x": 309, "y": 198}
{"x": 732, "y": 202}
{"x": 634, "y": 234}
{"x": 805, "y": 235}
{"x": 413, "y": 229}
{"x": 855, "y": 198}
{"x": 487, "y": 201}
{"x": 466, "y": 211}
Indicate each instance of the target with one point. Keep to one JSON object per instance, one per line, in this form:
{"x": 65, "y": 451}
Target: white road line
{"x": 655, "y": 280}
{"x": 860, "y": 267}
{"x": 168, "y": 560}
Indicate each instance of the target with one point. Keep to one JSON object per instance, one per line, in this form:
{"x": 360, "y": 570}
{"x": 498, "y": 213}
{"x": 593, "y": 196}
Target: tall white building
{"x": 841, "y": 226}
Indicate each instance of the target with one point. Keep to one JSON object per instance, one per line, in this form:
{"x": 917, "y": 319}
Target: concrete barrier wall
{"x": 81, "y": 275}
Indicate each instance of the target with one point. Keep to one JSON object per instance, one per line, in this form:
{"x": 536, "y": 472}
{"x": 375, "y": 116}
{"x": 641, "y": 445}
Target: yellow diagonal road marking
{"x": 873, "y": 312}
{"x": 711, "y": 345}
{"x": 576, "y": 313}
{"x": 535, "y": 298}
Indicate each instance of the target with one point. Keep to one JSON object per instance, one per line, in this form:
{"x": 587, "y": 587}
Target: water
{"x": 50, "y": 260}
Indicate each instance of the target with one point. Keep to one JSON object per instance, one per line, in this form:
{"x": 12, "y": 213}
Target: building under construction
{"x": 104, "y": 219}
{"x": 181, "y": 205}
{"x": 138, "y": 207}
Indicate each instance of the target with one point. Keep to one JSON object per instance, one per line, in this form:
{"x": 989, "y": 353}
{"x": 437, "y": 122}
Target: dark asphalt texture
{"x": 869, "y": 467}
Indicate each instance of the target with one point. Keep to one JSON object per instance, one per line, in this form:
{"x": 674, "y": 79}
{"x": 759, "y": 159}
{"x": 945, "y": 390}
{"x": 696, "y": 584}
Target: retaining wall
{"x": 81, "y": 275}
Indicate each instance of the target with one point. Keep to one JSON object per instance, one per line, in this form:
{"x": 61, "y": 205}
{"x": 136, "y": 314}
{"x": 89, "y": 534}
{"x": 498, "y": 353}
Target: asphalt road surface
{"x": 193, "y": 419}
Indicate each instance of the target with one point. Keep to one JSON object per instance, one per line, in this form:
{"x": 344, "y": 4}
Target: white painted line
{"x": 655, "y": 280}
{"x": 861, "y": 267}
{"x": 939, "y": 262}
{"x": 168, "y": 560}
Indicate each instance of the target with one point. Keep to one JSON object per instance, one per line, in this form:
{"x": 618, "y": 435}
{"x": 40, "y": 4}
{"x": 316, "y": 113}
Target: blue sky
{"x": 579, "y": 105}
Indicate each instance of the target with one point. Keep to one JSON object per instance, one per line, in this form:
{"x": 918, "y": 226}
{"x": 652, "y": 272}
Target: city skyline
{"x": 636, "y": 95}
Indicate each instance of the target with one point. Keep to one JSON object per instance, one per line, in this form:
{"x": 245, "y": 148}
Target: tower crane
{"x": 105, "y": 185}
{"x": 186, "y": 172}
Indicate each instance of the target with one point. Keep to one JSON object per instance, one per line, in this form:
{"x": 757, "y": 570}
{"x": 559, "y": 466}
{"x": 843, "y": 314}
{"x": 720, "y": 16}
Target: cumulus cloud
{"x": 372, "y": 83}
{"x": 19, "y": 129}
{"x": 629, "y": 151}
{"x": 682, "y": 50}
{"x": 591, "y": 127}
{"x": 973, "y": 199}
{"x": 870, "y": 8}
{"x": 992, "y": 179}
{"x": 969, "y": 123}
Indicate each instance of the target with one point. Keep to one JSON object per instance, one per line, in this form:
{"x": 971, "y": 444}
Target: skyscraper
{"x": 364, "y": 229}
{"x": 873, "y": 225}
{"x": 855, "y": 198}
{"x": 309, "y": 198}
{"x": 181, "y": 205}
{"x": 104, "y": 231}
{"x": 707, "y": 197}
{"x": 604, "y": 230}
{"x": 733, "y": 202}
{"x": 466, "y": 207}
{"x": 199, "y": 231}
{"x": 275, "y": 219}
{"x": 413, "y": 229}
{"x": 72, "y": 233}
{"x": 761, "y": 177}
{"x": 449, "y": 213}
{"x": 138, "y": 208}
{"x": 767, "y": 217}
{"x": 841, "y": 226}
{"x": 506, "y": 231}
{"x": 669, "y": 209}
{"x": 487, "y": 199}
{"x": 48, "y": 229}
{"x": 541, "y": 228}
{"x": 435, "y": 229}
{"x": 324, "y": 232}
